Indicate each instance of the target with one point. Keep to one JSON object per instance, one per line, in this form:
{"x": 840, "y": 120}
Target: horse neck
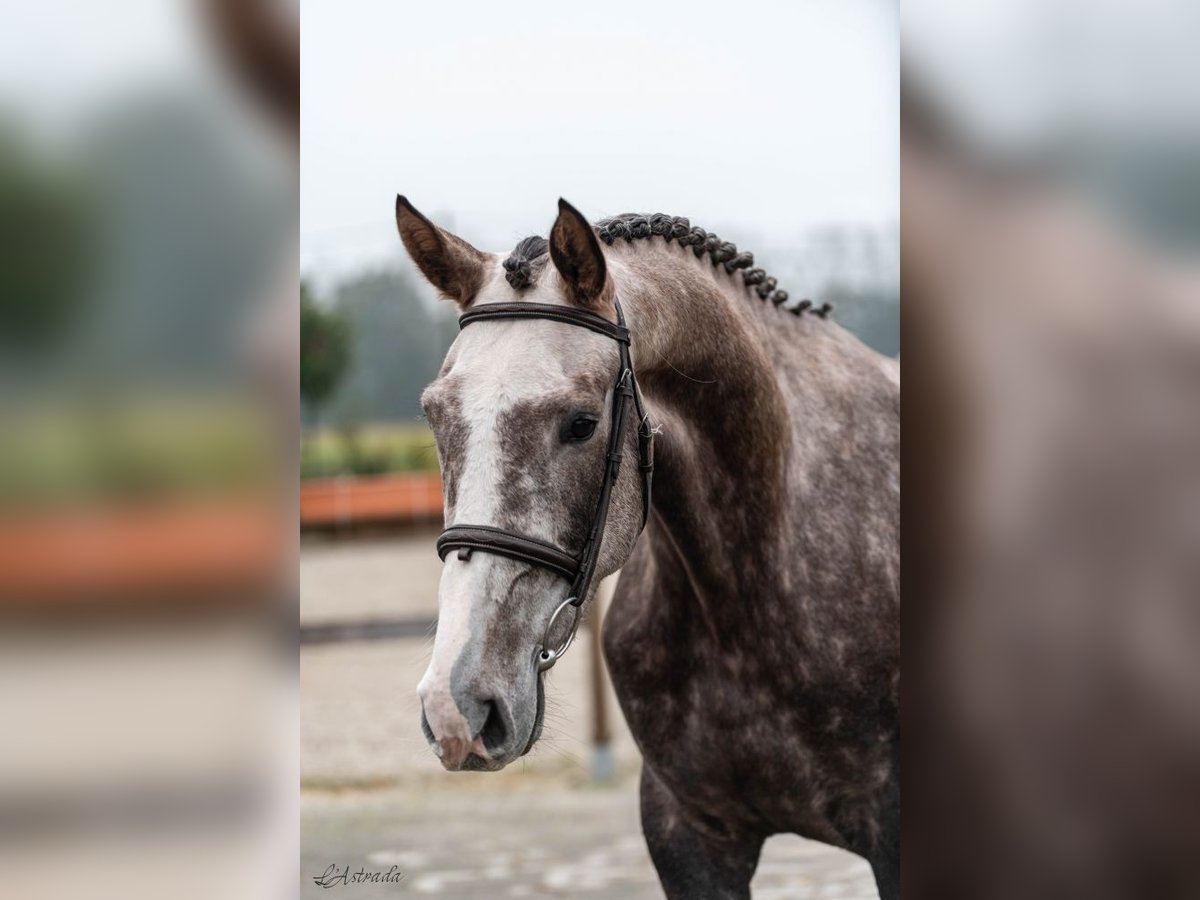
{"x": 702, "y": 355}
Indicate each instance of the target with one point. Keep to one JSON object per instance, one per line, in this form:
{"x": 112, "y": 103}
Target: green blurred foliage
{"x": 325, "y": 351}
{"x": 136, "y": 248}
{"x": 47, "y": 246}
{"x": 396, "y": 342}
{"x": 399, "y": 339}
{"x": 165, "y": 449}
{"x": 368, "y": 450}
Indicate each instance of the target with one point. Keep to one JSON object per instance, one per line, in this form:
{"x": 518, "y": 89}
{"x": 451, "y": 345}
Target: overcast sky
{"x": 763, "y": 117}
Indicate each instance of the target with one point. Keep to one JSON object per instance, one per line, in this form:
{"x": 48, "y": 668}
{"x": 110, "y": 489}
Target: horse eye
{"x": 580, "y": 428}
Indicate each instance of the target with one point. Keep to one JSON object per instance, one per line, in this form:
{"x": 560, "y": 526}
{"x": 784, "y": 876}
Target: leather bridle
{"x": 577, "y": 568}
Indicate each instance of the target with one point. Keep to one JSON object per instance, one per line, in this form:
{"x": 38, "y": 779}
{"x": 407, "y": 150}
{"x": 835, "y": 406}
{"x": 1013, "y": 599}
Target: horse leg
{"x": 885, "y": 862}
{"x": 883, "y": 850}
{"x": 690, "y": 863}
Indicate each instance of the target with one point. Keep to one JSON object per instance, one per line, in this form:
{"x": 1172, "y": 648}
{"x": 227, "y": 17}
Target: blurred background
{"x": 793, "y": 153}
{"x": 1051, "y": 258}
{"x": 784, "y": 141}
{"x": 148, "y": 344}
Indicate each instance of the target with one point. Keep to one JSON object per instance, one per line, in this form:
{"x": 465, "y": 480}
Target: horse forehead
{"x": 499, "y": 364}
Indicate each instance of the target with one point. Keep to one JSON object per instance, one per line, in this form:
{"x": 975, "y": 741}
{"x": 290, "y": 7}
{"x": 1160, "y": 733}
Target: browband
{"x": 565, "y": 314}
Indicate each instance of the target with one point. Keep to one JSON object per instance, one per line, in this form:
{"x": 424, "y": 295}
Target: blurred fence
{"x": 222, "y": 548}
{"x": 403, "y": 497}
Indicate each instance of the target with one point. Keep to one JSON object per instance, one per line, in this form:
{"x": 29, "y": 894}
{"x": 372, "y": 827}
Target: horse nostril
{"x": 495, "y": 729}
{"x": 425, "y": 729}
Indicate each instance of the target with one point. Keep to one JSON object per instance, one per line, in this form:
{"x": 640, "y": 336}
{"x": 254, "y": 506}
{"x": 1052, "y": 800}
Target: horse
{"x": 753, "y": 635}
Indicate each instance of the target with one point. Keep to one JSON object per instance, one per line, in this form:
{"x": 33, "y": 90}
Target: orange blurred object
{"x": 175, "y": 550}
{"x": 406, "y": 497}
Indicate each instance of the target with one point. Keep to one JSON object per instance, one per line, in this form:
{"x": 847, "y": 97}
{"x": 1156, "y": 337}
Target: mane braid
{"x": 635, "y": 226}
{"x": 527, "y": 259}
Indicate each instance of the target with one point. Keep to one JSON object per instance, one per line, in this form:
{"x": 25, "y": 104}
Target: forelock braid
{"x": 525, "y": 262}
{"x": 633, "y": 226}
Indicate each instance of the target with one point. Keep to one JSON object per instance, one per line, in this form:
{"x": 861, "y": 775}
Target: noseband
{"x": 578, "y": 568}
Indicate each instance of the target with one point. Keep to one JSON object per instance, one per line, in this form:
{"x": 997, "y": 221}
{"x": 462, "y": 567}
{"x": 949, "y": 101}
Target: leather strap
{"x": 466, "y": 538}
{"x": 580, "y": 569}
{"x": 612, "y": 468}
{"x": 564, "y": 314}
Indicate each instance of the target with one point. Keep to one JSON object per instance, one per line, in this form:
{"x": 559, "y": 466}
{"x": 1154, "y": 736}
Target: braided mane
{"x": 528, "y": 258}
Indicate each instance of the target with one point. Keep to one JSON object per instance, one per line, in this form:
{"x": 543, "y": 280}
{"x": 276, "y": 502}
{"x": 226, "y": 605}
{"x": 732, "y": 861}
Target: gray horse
{"x": 754, "y": 635}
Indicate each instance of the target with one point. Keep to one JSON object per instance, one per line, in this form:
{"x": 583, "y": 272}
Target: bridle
{"x": 578, "y": 568}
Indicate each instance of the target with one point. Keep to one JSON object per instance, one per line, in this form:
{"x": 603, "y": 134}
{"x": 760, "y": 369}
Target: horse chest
{"x": 722, "y": 741}
{"x": 738, "y": 738}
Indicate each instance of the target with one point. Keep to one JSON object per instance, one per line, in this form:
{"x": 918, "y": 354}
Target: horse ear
{"x": 577, "y": 256}
{"x": 452, "y": 265}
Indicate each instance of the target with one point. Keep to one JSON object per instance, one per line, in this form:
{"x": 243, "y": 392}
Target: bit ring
{"x": 546, "y": 658}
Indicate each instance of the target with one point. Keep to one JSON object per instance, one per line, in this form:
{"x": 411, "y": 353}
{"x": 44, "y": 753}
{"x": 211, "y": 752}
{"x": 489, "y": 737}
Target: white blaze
{"x": 500, "y": 363}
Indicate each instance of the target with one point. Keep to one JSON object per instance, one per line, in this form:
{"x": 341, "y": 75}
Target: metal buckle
{"x": 547, "y": 658}
{"x": 625, "y": 382}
